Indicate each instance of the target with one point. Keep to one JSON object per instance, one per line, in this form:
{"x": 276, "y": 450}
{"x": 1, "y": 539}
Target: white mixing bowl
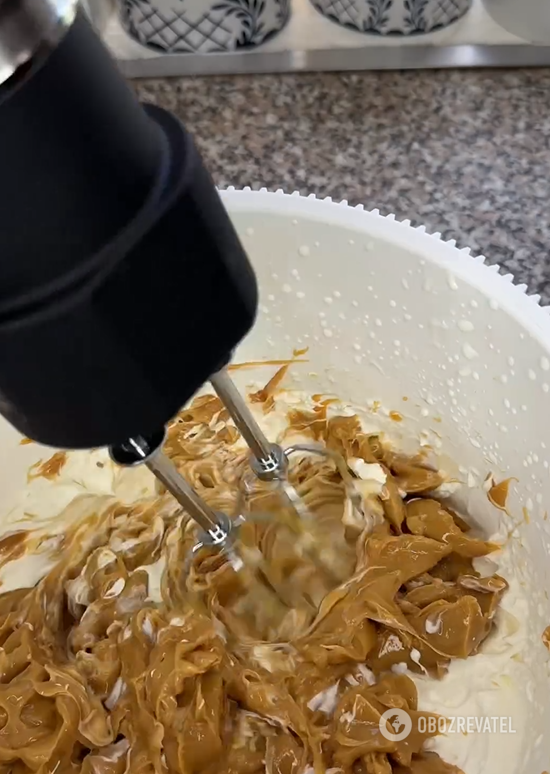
{"x": 391, "y": 313}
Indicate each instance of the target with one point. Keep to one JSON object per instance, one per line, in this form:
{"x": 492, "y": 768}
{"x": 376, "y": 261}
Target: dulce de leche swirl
{"x": 99, "y": 674}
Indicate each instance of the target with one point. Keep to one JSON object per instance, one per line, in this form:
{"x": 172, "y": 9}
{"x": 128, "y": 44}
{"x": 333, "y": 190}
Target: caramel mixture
{"x": 49, "y": 468}
{"x": 102, "y": 672}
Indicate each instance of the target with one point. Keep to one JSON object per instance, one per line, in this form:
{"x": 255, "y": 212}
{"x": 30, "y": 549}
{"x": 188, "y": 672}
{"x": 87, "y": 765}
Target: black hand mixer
{"x": 116, "y": 253}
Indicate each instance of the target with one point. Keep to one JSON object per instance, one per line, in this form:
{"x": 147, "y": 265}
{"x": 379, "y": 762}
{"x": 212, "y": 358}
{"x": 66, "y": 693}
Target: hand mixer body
{"x": 123, "y": 285}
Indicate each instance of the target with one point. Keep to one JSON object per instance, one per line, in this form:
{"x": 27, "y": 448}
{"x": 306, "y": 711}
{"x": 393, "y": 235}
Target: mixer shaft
{"x": 215, "y": 527}
{"x": 268, "y": 459}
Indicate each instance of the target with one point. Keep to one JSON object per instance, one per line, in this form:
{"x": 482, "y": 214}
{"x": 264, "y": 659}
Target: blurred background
{"x": 435, "y": 110}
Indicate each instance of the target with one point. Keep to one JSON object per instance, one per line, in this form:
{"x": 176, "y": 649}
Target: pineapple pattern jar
{"x": 202, "y": 26}
{"x": 393, "y": 17}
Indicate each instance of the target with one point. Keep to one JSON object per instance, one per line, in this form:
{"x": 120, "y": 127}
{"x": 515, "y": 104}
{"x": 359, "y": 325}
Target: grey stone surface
{"x": 466, "y": 153}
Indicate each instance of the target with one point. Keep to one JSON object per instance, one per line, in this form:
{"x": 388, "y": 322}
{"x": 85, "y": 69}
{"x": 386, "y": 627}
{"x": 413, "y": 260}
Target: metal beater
{"x": 138, "y": 251}
{"x": 216, "y": 528}
{"x": 268, "y": 462}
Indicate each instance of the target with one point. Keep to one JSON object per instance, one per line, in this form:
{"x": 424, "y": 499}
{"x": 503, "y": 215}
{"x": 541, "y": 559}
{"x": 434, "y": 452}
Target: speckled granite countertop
{"x": 466, "y": 153}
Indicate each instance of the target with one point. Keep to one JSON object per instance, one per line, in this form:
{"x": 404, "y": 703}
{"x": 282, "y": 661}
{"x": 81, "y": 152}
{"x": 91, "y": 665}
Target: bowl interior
{"x": 393, "y": 315}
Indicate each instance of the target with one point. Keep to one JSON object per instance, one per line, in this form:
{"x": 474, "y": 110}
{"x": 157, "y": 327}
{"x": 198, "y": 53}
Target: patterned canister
{"x": 393, "y": 17}
{"x": 202, "y": 26}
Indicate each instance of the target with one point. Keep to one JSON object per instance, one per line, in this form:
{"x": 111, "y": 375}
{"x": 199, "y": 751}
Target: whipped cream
{"x": 490, "y": 684}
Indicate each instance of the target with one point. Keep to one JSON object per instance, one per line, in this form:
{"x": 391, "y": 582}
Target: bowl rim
{"x": 501, "y": 290}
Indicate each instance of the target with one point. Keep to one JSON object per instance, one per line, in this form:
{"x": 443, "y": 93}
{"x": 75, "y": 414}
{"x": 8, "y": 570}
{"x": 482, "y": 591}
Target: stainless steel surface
{"x": 28, "y": 27}
{"x": 216, "y": 529}
{"x": 272, "y": 467}
{"x": 137, "y": 450}
{"x": 166, "y": 472}
{"x": 148, "y": 451}
{"x": 338, "y": 60}
{"x": 269, "y": 462}
{"x": 244, "y": 421}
